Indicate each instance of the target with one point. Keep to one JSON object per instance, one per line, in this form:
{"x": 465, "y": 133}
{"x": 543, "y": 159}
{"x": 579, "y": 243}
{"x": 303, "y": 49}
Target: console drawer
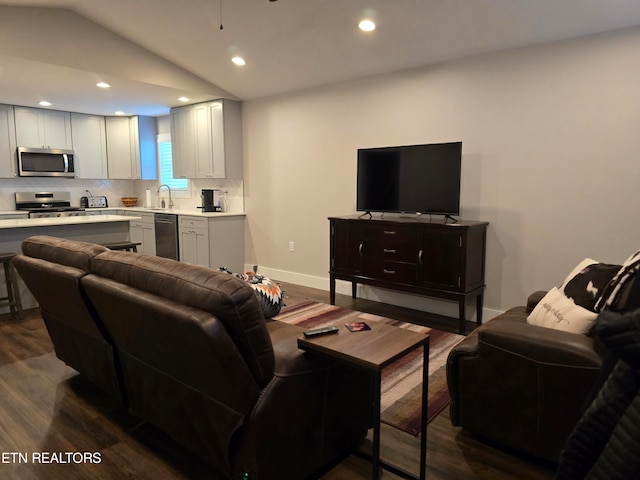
{"x": 393, "y": 252}
{"x": 391, "y": 243}
{"x": 398, "y": 272}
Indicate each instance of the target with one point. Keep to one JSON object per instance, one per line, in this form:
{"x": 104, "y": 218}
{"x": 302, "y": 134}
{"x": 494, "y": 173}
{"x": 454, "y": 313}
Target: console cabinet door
{"x": 347, "y": 246}
{"x": 440, "y": 259}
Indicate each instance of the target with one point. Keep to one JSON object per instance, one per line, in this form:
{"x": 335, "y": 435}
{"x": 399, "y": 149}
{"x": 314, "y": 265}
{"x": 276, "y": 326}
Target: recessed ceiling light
{"x": 183, "y": 99}
{"x": 119, "y": 112}
{"x": 238, "y": 61}
{"x": 44, "y": 103}
{"x": 367, "y": 25}
{"x": 102, "y": 85}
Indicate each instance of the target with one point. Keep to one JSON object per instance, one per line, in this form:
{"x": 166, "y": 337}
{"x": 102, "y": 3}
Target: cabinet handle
{"x": 388, "y": 250}
{"x": 390, "y": 272}
{"x": 389, "y": 232}
{"x": 420, "y": 256}
{"x": 360, "y": 249}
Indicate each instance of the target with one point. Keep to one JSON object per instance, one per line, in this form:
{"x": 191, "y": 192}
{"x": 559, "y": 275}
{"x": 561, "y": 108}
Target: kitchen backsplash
{"x": 114, "y": 190}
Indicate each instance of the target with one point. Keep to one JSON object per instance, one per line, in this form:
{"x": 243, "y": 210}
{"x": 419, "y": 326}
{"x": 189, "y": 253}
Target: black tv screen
{"x": 410, "y": 179}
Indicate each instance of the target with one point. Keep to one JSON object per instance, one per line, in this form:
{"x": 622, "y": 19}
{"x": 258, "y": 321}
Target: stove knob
{"x": 58, "y": 215}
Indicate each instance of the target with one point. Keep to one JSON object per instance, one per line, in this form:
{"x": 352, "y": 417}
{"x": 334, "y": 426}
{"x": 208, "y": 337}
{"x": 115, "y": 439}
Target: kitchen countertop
{"x": 174, "y": 211}
{"x": 13, "y": 212}
{"x": 53, "y": 221}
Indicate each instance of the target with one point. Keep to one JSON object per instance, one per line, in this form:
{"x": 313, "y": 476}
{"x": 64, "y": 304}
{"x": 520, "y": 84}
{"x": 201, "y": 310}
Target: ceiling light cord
{"x": 221, "y": 26}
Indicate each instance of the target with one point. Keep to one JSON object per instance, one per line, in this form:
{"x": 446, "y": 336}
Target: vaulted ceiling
{"x": 153, "y": 51}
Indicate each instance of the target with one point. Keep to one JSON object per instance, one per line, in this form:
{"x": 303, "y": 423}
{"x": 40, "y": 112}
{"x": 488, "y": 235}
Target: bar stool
{"x": 127, "y": 246}
{"x": 12, "y": 300}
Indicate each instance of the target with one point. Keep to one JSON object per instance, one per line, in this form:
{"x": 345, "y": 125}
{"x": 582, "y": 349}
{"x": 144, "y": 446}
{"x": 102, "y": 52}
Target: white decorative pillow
{"x": 561, "y": 313}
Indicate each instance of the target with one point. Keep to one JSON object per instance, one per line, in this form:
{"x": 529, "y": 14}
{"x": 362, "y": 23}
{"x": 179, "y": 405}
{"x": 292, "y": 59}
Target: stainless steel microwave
{"x": 45, "y": 162}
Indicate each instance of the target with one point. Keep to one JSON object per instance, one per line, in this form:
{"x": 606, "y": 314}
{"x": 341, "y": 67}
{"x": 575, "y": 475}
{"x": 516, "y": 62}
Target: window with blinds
{"x": 165, "y": 165}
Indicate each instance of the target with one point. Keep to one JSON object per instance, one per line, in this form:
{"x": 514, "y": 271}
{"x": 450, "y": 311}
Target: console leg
{"x": 354, "y": 289}
{"x": 462, "y": 305}
{"x": 479, "y": 302}
{"x": 332, "y": 290}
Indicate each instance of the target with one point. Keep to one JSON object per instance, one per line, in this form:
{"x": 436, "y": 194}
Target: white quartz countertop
{"x": 174, "y": 211}
{"x": 13, "y": 212}
{"x": 53, "y": 221}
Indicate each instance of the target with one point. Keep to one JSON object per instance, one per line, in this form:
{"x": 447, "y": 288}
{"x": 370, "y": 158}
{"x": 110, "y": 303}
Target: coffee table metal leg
{"x": 425, "y": 403}
{"x": 375, "y": 453}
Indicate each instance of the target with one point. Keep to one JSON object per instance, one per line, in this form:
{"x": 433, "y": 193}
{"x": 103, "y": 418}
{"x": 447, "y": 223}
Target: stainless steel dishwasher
{"x": 166, "y": 235}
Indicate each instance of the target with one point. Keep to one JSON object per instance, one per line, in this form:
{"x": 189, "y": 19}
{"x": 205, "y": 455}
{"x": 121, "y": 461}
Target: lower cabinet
{"x": 193, "y": 234}
{"x": 143, "y": 231}
{"x": 212, "y": 241}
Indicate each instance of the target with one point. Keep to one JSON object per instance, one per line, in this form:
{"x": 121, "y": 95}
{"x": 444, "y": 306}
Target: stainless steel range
{"x": 47, "y": 204}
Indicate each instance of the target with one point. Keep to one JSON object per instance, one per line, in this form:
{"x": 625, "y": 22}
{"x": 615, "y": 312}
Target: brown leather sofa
{"x": 196, "y": 358}
{"x": 521, "y": 386}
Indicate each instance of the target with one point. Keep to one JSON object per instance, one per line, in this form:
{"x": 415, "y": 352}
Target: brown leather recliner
{"x": 521, "y": 386}
{"x": 52, "y": 268}
{"x": 199, "y": 361}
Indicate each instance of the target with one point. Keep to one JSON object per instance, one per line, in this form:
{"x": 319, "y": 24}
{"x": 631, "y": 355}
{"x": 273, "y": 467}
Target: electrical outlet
{"x": 292, "y": 246}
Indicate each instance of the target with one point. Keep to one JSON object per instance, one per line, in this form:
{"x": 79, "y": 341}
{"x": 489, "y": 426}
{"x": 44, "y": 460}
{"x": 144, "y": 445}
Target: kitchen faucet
{"x": 168, "y": 188}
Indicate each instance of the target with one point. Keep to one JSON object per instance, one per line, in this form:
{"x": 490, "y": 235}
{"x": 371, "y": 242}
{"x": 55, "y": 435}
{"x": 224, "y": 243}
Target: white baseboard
{"x": 391, "y": 297}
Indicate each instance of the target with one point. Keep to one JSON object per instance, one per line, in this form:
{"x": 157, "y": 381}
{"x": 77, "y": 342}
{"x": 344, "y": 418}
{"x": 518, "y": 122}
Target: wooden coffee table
{"x": 372, "y": 350}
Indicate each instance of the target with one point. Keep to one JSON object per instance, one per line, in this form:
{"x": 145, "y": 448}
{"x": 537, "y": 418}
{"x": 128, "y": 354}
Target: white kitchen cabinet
{"x": 89, "y": 145}
{"x": 226, "y": 242}
{"x": 38, "y": 128}
{"x": 207, "y": 140}
{"x": 193, "y": 233}
{"x": 143, "y": 231}
{"x": 7, "y": 142}
{"x": 131, "y": 148}
{"x": 120, "y": 159}
{"x": 183, "y": 142}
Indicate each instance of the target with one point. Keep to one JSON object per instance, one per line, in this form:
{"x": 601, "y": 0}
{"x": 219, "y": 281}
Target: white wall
{"x": 550, "y": 149}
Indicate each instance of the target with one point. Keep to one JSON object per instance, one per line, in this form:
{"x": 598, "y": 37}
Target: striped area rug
{"x": 401, "y": 381}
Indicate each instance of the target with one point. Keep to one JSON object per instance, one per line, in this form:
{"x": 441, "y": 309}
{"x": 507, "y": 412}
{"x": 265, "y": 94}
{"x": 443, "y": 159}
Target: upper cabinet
{"x": 207, "y": 140}
{"x": 89, "y": 145}
{"x": 7, "y": 142}
{"x": 38, "y": 128}
{"x": 131, "y": 148}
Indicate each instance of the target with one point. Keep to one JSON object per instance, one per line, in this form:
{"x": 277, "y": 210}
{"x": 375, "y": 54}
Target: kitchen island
{"x": 89, "y": 228}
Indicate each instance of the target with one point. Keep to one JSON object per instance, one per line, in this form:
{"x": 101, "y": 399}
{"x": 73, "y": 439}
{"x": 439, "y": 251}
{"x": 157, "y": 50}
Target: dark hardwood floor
{"x": 46, "y": 406}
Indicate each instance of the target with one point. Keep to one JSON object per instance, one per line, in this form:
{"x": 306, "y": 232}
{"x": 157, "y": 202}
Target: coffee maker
{"x": 210, "y": 200}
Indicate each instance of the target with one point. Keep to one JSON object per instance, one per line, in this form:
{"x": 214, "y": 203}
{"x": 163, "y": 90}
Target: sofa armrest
{"x": 540, "y": 344}
{"x": 520, "y": 385}
{"x": 534, "y": 299}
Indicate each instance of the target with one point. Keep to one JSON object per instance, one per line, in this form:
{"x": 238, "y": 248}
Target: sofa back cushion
{"x": 52, "y": 269}
{"x": 223, "y": 296}
{"x": 72, "y": 253}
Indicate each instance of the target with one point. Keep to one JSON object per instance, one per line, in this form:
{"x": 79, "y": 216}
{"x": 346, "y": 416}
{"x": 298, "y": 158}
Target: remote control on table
{"x": 320, "y": 331}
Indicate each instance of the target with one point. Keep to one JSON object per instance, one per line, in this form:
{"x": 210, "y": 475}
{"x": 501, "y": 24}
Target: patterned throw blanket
{"x": 401, "y": 381}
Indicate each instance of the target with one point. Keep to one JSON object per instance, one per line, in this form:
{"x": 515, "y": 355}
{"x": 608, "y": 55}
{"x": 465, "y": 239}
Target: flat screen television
{"x": 410, "y": 179}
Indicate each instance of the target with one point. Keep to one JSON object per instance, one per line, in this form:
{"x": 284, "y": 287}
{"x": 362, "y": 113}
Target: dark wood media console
{"x": 413, "y": 255}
